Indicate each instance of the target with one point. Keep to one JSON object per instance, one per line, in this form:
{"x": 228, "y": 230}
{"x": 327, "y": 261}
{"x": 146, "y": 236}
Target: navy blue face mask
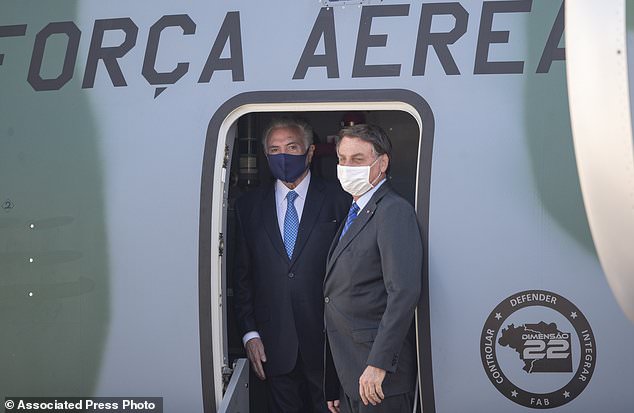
{"x": 287, "y": 167}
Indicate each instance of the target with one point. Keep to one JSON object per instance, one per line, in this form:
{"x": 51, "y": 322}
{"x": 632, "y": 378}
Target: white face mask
{"x": 355, "y": 180}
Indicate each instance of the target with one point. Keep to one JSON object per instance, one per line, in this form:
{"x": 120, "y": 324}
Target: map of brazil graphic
{"x": 542, "y": 347}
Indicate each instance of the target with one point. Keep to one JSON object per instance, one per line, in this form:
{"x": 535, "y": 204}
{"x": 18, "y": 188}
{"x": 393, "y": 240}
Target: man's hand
{"x": 333, "y": 406}
{"x": 370, "y": 385}
{"x": 255, "y": 352}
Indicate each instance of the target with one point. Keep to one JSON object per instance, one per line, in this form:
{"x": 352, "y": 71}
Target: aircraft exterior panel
{"x": 114, "y": 167}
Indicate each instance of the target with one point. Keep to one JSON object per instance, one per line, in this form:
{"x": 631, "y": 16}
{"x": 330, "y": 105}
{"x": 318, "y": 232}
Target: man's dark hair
{"x": 372, "y": 134}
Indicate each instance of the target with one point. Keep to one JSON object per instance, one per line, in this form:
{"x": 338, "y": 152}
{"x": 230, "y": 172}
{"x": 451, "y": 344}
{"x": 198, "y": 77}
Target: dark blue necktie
{"x": 352, "y": 215}
{"x": 291, "y": 223}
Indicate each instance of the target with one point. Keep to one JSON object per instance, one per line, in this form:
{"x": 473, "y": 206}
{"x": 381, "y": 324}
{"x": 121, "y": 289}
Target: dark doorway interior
{"x": 249, "y": 169}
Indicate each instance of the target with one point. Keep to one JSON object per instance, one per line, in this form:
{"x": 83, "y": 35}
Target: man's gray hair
{"x": 286, "y": 122}
{"x": 372, "y": 134}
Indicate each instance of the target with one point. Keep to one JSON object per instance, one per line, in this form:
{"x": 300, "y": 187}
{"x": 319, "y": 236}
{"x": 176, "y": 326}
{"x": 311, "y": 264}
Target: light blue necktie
{"x": 291, "y": 223}
{"x": 352, "y": 215}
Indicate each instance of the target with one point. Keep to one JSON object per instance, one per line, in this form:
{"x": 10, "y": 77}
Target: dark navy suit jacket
{"x": 282, "y": 298}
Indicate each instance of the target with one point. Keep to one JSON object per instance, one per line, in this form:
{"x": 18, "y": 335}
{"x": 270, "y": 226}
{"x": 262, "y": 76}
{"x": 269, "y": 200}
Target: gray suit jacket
{"x": 372, "y": 286}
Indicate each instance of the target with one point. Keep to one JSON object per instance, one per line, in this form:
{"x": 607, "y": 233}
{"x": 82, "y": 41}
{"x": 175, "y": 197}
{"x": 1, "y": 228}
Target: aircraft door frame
{"x": 212, "y": 314}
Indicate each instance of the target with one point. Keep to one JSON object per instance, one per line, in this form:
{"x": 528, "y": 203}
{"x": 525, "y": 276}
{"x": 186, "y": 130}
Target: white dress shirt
{"x": 281, "y": 191}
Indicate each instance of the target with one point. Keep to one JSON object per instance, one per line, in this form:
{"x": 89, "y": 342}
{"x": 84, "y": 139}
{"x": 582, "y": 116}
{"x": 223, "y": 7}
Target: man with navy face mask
{"x": 373, "y": 282}
{"x": 284, "y": 231}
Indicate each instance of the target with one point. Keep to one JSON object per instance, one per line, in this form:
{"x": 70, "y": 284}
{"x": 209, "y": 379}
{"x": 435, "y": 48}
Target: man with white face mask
{"x": 373, "y": 282}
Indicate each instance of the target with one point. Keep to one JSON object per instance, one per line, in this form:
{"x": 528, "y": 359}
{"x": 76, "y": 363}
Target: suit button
{"x": 291, "y": 275}
{"x": 326, "y": 300}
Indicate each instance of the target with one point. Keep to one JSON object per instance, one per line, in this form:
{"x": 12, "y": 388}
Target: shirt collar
{"x": 281, "y": 190}
{"x": 365, "y": 198}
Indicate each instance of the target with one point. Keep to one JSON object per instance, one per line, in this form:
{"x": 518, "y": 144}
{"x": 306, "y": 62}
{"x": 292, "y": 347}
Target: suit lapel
{"x": 335, "y": 240}
{"x": 312, "y": 206}
{"x": 269, "y": 218}
{"x": 357, "y": 226}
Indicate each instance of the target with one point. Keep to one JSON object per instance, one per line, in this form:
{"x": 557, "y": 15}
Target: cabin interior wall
{"x": 402, "y": 129}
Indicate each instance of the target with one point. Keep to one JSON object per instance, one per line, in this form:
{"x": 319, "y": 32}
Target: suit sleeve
{"x": 331, "y": 380}
{"x": 243, "y": 278}
{"x": 401, "y": 250}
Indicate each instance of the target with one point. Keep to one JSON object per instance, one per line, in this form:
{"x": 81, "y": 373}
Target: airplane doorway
{"x": 234, "y": 163}
{"x": 249, "y": 170}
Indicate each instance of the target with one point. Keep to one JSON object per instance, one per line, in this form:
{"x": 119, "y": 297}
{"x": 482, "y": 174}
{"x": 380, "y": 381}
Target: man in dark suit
{"x": 373, "y": 282}
{"x": 284, "y": 232}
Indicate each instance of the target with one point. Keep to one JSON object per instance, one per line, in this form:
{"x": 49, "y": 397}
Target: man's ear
{"x": 385, "y": 162}
{"x": 311, "y": 151}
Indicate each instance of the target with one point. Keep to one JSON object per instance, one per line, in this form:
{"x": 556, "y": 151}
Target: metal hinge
{"x": 225, "y": 160}
{"x": 226, "y": 376}
{"x": 221, "y": 244}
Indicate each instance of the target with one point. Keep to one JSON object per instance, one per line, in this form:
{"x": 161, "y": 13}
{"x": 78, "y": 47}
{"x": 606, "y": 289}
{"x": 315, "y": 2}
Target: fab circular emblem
{"x": 538, "y": 349}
